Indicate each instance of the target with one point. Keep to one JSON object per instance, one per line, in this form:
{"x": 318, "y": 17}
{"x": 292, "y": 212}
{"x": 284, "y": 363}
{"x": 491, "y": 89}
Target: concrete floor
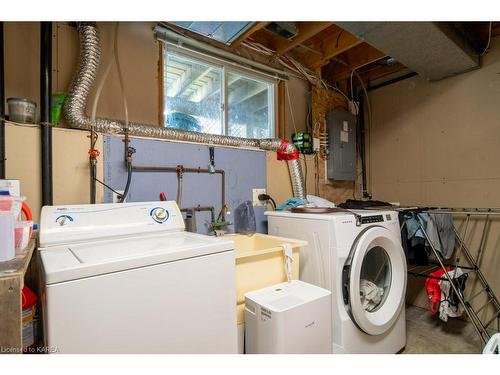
{"x": 427, "y": 334}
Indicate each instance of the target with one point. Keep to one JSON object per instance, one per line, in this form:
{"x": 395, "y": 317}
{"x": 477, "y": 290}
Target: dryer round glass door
{"x": 374, "y": 280}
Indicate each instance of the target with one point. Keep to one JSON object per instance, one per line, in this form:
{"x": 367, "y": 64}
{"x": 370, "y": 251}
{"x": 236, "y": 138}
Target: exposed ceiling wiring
{"x": 359, "y": 67}
{"x": 291, "y": 64}
{"x": 489, "y": 40}
{"x": 290, "y": 107}
{"x": 338, "y": 38}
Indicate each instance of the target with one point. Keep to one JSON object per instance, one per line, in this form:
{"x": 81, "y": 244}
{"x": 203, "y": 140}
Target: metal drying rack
{"x": 472, "y": 267}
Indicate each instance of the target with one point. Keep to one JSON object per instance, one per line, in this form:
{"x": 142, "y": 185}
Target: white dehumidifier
{"x": 288, "y": 318}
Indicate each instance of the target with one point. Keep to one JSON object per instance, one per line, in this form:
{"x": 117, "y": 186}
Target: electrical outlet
{"x": 116, "y": 197}
{"x": 255, "y": 200}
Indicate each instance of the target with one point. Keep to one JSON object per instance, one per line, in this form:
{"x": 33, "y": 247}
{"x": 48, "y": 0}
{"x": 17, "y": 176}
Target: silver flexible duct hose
{"x": 76, "y": 103}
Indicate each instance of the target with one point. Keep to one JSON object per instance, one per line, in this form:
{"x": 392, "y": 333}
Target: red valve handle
{"x": 283, "y": 154}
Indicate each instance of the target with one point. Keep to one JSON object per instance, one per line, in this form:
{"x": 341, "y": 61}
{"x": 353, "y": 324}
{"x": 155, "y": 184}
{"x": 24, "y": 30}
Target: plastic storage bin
{"x": 7, "y": 243}
{"x": 22, "y": 235}
{"x": 21, "y": 110}
{"x": 260, "y": 263}
{"x": 11, "y": 204}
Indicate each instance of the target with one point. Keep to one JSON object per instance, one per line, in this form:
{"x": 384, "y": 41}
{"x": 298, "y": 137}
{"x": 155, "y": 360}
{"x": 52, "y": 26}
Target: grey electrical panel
{"x": 341, "y": 163}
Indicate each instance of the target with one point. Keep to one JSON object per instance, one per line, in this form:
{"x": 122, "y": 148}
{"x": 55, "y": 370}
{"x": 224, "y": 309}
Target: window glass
{"x": 375, "y": 279}
{"x": 192, "y": 95}
{"x": 249, "y": 107}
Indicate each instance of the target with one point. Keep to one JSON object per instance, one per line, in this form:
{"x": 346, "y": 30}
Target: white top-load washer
{"x": 127, "y": 278}
{"x": 358, "y": 256}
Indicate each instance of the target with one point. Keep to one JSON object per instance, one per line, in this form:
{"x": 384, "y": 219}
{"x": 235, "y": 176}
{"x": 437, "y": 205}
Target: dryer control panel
{"x": 80, "y": 223}
{"x": 372, "y": 219}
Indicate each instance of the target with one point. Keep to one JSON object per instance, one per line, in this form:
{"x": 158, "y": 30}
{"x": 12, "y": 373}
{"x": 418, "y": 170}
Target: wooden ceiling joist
{"x": 251, "y": 30}
{"x": 330, "y": 51}
{"x": 333, "y": 46}
{"x": 379, "y": 71}
{"x": 354, "y": 58}
{"x": 306, "y": 30}
{"x": 267, "y": 38}
{"x": 323, "y": 47}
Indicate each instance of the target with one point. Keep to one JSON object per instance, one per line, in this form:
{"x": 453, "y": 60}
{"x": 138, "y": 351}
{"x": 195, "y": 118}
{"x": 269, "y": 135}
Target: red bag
{"x": 433, "y": 289}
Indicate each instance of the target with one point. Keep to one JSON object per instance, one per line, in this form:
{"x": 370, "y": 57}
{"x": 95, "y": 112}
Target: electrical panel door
{"x": 341, "y": 163}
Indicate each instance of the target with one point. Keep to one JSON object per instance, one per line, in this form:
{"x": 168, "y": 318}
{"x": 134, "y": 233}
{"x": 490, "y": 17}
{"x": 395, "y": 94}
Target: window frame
{"x": 226, "y": 67}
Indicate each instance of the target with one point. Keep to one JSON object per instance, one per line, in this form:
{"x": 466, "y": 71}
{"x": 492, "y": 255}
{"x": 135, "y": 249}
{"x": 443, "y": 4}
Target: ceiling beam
{"x": 266, "y": 38}
{"x": 244, "y": 93}
{"x": 252, "y": 29}
{"x": 233, "y": 78}
{"x": 361, "y": 55}
{"x": 332, "y": 46}
{"x": 379, "y": 71}
{"x": 203, "y": 90}
{"x": 198, "y": 37}
{"x": 189, "y": 78}
{"x": 306, "y": 30}
{"x": 249, "y": 104}
{"x": 206, "y": 86}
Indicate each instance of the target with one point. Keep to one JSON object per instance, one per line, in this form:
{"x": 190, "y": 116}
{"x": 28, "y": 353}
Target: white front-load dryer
{"x": 358, "y": 256}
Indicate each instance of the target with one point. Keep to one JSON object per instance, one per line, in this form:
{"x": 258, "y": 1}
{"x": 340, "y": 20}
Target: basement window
{"x": 207, "y": 96}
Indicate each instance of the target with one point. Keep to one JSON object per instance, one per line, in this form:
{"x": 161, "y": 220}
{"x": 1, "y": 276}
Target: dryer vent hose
{"x": 83, "y": 81}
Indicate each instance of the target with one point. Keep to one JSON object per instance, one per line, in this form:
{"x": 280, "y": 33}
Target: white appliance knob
{"x": 160, "y": 214}
{"x": 62, "y": 221}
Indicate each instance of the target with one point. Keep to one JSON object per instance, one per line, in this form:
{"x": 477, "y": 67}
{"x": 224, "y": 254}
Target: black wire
{"x": 267, "y": 198}
{"x": 93, "y": 189}
{"x": 316, "y": 174}
{"x": 305, "y": 172}
{"x": 107, "y": 186}
{"x": 338, "y": 38}
{"x": 127, "y": 186}
{"x": 273, "y": 202}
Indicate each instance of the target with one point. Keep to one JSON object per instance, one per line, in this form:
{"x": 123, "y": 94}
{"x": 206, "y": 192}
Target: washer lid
{"x": 81, "y": 260}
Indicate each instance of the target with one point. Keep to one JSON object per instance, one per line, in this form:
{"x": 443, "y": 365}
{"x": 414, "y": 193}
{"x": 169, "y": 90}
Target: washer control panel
{"x": 78, "y": 223}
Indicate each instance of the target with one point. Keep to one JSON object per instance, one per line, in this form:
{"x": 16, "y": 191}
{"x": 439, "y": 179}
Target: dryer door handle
{"x": 346, "y": 271}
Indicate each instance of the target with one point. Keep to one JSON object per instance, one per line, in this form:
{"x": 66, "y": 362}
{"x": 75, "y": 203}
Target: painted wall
{"x": 244, "y": 170}
{"x": 137, "y": 50}
{"x": 297, "y": 106}
{"x": 70, "y": 163}
{"x": 438, "y": 144}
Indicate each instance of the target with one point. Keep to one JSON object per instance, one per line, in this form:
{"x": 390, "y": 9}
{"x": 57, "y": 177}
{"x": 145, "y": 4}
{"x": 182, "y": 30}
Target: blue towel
{"x": 292, "y": 202}
{"x": 413, "y": 227}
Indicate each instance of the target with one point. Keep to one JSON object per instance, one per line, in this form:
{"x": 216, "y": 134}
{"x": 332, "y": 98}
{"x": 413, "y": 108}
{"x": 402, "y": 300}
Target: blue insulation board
{"x": 245, "y": 170}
